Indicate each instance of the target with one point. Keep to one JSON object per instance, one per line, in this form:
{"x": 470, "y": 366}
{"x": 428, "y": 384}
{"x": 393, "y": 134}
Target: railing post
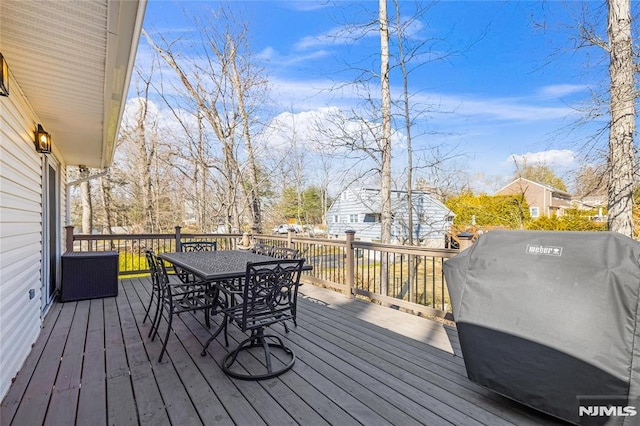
{"x": 465, "y": 240}
{"x": 178, "y": 237}
{"x": 69, "y": 237}
{"x": 290, "y": 232}
{"x": 350, "y": 262}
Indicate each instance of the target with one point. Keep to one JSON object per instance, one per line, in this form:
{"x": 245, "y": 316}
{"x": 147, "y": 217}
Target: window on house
{"x": 336, "y": 218}
{"x": 372, "y": 217}
{"x": 353, "y": 218}
{"x": 534, "y": 212}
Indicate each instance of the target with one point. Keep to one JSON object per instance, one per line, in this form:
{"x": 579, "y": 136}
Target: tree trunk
{"x": 411, "y": 269}
{"x": 200, "y": 179}
{"x": 252, "y": 192}
{"x": 621, "y": 160}
{"x": 144, "y": 163}
{"x": 385, "y": 143}
{"x": 87, "y": 206}
{"x": 385, "y": 147}
{"x": 407, "y": 123}
{"x": 107, "y": 204}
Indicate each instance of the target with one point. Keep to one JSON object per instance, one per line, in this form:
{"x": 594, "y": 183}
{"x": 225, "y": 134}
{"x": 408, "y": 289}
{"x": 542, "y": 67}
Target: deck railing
{"x": 405, "y": 277}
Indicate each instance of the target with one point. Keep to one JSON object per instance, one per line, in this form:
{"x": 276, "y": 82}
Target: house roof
{"x": 547, "y": 187}
{"x": 73, "y": 62}
{"x": 370, "y": 198}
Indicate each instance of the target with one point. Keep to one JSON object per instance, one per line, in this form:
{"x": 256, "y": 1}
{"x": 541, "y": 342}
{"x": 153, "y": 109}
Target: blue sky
{"x": 510, "y": 83}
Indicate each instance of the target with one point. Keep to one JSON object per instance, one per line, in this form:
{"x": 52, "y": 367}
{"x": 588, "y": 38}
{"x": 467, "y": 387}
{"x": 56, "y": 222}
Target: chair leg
{"x": 157, "y": 316}
{"x": 267, "y": 353}
{"x": 166, "y": 337}
{"x": 148, "y": 309}
{"x": 207, "y": 316}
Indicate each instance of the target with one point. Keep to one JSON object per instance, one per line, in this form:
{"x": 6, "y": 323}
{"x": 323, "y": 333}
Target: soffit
{"x": 73, "y": 61}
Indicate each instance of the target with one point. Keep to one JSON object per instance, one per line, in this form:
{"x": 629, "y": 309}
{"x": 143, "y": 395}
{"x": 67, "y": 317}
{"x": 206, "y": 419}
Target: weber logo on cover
{"x": 544, "y": 250}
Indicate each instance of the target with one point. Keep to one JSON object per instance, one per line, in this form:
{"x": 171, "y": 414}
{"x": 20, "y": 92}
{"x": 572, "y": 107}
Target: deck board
{"x": 356, "y": 363}
{"x": 34, "y": 403}
{"x": 92, "y": 401}
{"x": 64, "y": 398}
{"x": 121, "y": 407}
{"x": 12, "y": 400}
{"x": 149, "y": 403}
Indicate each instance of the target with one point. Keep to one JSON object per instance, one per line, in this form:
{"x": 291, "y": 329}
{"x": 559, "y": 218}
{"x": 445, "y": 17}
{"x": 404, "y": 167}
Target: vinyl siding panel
{"x": 20, "y": 234}
{"x": 347, "y": 205}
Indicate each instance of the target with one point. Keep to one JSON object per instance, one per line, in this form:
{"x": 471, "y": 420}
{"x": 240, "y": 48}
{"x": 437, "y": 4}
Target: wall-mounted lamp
{"x": 4, "y": 77}
{"x": 43, "y": 140}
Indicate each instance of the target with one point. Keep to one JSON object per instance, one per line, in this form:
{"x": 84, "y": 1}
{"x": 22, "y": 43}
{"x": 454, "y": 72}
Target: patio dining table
{"x": 214, "y": 266}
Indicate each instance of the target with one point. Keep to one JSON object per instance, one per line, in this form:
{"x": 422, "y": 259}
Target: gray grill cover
{"x": 545, "y": 318}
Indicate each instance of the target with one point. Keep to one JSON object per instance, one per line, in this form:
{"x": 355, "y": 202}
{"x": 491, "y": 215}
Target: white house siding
{"x": 347, "y": 204}
{"x": 429, "y": 217}
{"x": 20, "y": 234}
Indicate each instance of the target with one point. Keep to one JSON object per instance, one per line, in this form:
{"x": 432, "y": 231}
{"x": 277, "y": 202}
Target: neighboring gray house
{"x": 360, "y": 211}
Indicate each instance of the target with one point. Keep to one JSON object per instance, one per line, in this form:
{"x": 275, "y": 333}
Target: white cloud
{"x": 336, "y": 36}
{"x": 306, "y": 95}
{"x": 559, "y": 90}
{"x": 269, "y": 54}
{"x": 313, "y": 94}
{"x": 349, "y": 34}
{"x": 307, "y": 5}
{"x": 300, "y": 128}
{"x": 470, "y": 105}
{"x": 320, "y": 129}
{"x": 553, "y": 157}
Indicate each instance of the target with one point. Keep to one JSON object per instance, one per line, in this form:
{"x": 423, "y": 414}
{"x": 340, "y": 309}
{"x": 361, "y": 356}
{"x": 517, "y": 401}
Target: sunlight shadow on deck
{"x": 411, "y": 326}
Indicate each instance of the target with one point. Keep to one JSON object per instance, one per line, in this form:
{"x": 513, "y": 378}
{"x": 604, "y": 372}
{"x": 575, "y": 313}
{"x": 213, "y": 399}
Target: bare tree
{"x": 146, "y": 150}
{"x": 407, "y": 120}
{"x": 618, "y": 48}
{"x": 139, "y": 142}
{"x": 623, "y": 118}
{"x": 385, "y": 144}
{"x": 224, "y": 85}
{"x": 409, "y": 58}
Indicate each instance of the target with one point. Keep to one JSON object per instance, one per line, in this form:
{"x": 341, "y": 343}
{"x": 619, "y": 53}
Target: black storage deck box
{"x": 551, "y": 319}
{"x": 89, "y": 275}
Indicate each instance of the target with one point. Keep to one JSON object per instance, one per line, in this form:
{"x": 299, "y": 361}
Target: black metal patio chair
{"x": 284, "y": 253}
{"x": 155, "y": 289}
{"x": 193, "y": 246}
{"x": 199, "y": 246}
{"x": 261, "y": 248}
{"x": 267, "y": 293}
{"x": 178, "y": 297}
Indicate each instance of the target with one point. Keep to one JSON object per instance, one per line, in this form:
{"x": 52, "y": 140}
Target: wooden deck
{"x": 357, "y": 363}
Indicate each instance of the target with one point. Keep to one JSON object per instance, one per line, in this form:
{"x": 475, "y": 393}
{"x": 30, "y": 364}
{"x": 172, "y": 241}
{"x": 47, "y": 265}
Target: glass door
{"x": 50, "y": 230}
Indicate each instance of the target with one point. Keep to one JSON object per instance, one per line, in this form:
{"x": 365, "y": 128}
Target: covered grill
{"x": 551, "y": 319}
